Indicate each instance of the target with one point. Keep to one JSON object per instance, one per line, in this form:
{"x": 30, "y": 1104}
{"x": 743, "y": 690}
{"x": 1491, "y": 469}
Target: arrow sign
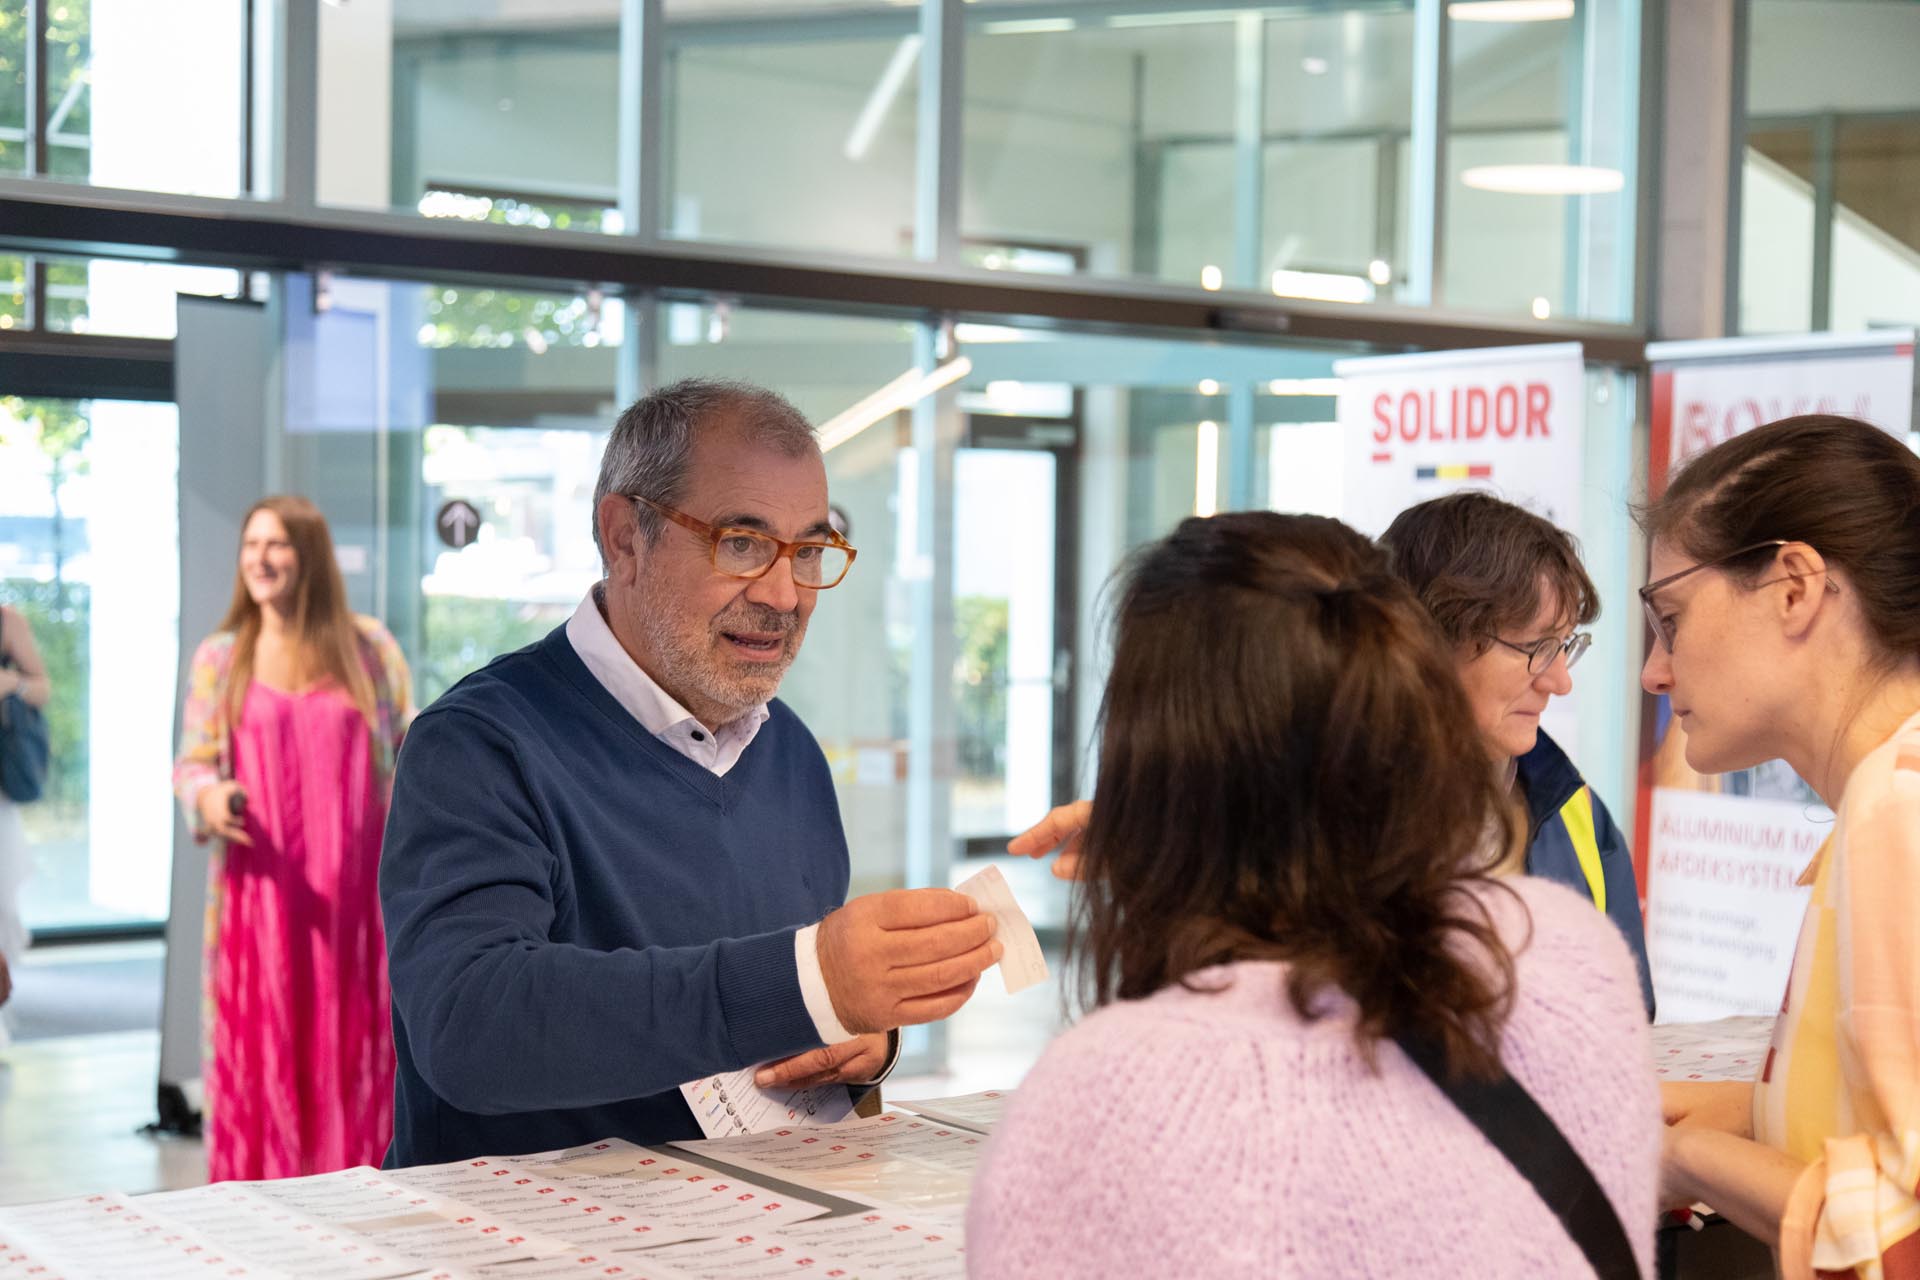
{"x": 458, "y": 523}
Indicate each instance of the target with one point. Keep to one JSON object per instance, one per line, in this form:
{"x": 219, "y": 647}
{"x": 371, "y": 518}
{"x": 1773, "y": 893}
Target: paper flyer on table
{"x": 1022, "y": 964}
{"x": 897, "y": 1247}
{"x": 730, "y": 1104}
{"x": 855, "y": 1246}
{"x": 894, "y": 1159}
{"x": 1724, "y": 1049}
{"x": 270, "y": 1234}
{"x": 108, "y": 1235}
{"x": 408, "y": 1219}
{"x": 976, "y": 1111}
{"x": 611, "y": 1194}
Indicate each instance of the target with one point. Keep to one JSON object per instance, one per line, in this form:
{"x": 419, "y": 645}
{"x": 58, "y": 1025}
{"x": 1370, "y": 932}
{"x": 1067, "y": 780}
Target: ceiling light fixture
{"x": 1325, "y": 286}
{"x": 1510, "y": 10}
{"x": 1544, "y": 179}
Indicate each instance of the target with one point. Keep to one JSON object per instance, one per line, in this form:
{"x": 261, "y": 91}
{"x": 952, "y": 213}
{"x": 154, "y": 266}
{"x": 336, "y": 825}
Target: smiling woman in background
{"x": 295, "y": 708}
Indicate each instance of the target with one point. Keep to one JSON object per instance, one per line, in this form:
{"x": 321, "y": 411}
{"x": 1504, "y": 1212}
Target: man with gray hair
{"x": 614, "y": 863}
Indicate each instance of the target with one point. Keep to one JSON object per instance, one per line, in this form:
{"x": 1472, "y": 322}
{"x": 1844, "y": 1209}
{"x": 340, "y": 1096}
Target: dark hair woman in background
{"x": 1509, "y": 593}
{"x": 1290, "y": 864}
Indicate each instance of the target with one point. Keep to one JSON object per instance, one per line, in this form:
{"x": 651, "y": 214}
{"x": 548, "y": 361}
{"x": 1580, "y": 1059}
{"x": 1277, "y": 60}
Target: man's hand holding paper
{"x": 902, "y": 957}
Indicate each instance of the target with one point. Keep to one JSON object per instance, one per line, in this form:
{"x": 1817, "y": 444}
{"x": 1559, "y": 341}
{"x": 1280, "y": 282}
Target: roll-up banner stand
{"x": 1510, "y": 420}
{"x": 1718, "y": 856}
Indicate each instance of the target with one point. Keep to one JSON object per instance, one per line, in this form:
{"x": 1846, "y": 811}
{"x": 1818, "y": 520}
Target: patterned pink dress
{"x": 300, "y": 1079}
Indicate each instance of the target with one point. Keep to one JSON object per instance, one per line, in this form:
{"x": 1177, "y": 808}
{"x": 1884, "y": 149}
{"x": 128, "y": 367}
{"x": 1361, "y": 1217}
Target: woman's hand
{"x": 1064, "y": 826}
{"x": 217, "y": 815}
{"x": 1725, "y": 1105}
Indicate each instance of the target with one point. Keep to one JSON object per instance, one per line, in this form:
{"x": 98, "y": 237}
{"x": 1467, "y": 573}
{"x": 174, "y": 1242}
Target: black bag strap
{"x": 1527, "y": 1136}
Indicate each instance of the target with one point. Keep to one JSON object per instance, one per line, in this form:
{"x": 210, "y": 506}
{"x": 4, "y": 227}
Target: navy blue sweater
{"x": 579, "y": 918}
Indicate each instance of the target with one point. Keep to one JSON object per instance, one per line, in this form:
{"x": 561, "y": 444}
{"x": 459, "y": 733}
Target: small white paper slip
{"x": 1021, "y": 963}
{"x": 730, "y": 1104}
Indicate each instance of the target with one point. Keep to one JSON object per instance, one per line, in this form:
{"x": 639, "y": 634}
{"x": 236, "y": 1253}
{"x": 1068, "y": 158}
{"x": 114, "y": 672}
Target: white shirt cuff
{"x": 813, "y": 987}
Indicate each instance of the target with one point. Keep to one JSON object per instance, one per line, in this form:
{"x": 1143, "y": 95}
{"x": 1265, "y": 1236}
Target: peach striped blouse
{"x": 1841, "y": 1085}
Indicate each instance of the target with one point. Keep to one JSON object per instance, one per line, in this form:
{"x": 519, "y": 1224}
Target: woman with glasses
{"x": 294, "y": 711}
{"x": 1509, "y": 594}
{"x": 1287, "y": 897}
{"x": 1785, "y": 603}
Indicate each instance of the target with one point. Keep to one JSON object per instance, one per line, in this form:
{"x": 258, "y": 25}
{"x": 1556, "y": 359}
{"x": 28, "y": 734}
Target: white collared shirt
{"x": 716, "y": 750}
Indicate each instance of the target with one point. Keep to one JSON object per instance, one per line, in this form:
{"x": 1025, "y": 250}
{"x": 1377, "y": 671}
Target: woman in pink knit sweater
{"x": 1288, "y": 865}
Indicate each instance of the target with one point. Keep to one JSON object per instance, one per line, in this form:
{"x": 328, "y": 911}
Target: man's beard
{"x": 696, "y": 663}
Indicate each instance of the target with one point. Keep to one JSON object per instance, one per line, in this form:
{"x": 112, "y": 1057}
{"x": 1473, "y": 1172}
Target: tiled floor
{"x": 70, "y": 1113}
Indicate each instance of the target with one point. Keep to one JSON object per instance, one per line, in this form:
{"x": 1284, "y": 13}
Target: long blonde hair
{"x": 326, "y": 636}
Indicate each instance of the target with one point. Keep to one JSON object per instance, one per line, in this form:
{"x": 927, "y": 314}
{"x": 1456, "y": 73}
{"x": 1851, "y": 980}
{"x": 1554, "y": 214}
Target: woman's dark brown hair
{"x": 1842, "y": 486}
{"x": 1289, "y": 771}
{"x": 1477, "y": 564}
{"x": 327, "y": 635}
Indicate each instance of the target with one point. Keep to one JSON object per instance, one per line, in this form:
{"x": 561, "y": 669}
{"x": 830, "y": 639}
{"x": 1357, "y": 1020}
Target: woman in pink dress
{"x": 295, "y": 708}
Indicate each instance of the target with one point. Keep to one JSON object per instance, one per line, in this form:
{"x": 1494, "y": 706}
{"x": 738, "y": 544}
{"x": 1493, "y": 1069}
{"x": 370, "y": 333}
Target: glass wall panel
{"x": 13, "y": 87}
{"x": 147, "y": 96}
{"x": 1339, "y": 112}
{"x": 1108, "y": 137}
{"x": 794, "y": 127}
{"x": 1829, "y": 234}
{"x": 1776, "y": 231}
{"x": 489, "y": 110}
{"x": 125, "y": 299}
{"x": 89, "y": 552}
{"x": 13, "y": 292}
{"x": 1542, "y": 159}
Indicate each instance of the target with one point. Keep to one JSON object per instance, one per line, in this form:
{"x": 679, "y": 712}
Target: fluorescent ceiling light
{"x": 1511, "y": 10}
{"x": 885, "y": 90}
{"x": 1206, "y": 471}
{"x": 1304, "y": 387}
{"x": 1176, "y": 19}
{"x": 1544, "y": 179}
{"x": 1323, "y": 285}
{"x": 904, "y": 391}
{"x": 966, "y": 334}
{"x": 1027, "y": 26}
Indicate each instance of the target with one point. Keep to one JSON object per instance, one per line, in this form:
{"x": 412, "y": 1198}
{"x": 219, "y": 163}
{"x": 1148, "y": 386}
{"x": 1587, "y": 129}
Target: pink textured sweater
{"x": 1220, "y": 1135}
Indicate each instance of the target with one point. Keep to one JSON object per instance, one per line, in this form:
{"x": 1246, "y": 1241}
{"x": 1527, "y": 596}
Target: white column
{"x": 134, "y": 572}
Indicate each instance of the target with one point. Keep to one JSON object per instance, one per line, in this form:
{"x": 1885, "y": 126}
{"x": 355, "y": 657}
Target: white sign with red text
{"x": 1717, "y": 857}
{"x": 1510, "y": 420}
{"x": 1507, "y": 419}
{"x": 1707, "y": 392}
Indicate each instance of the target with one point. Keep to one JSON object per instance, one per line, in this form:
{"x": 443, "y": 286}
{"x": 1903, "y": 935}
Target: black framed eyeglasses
{"x": 1540, "y": 653}
{"x": 1666, "y": 629}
